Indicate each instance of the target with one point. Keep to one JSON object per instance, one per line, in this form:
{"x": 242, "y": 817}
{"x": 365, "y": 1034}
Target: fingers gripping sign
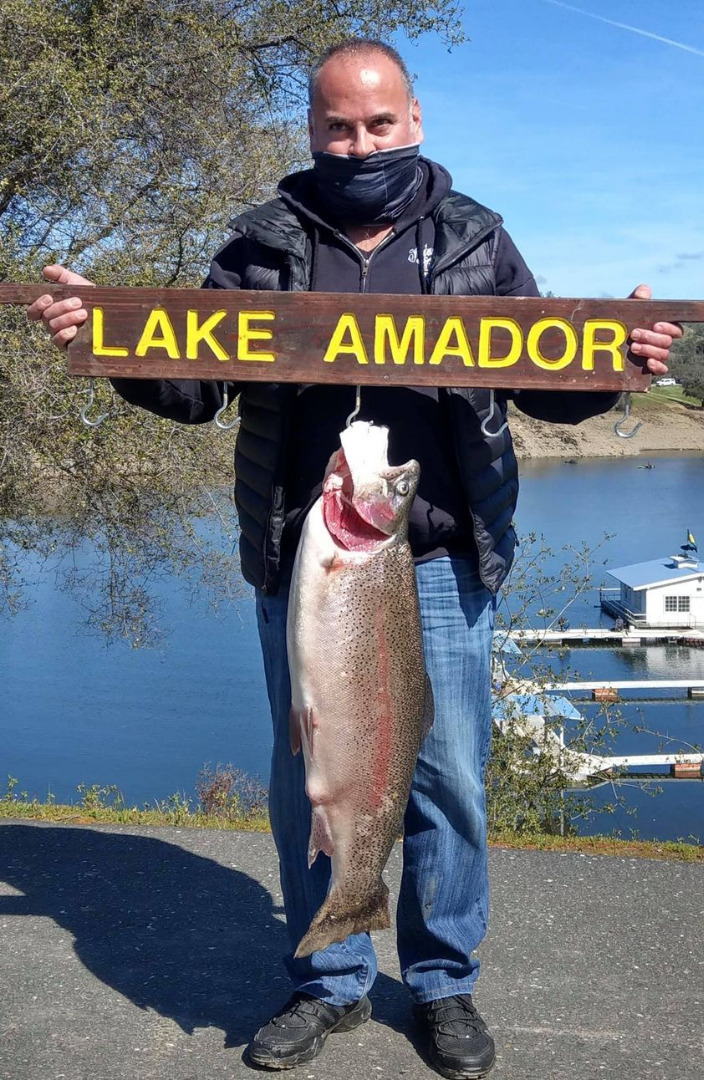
{"x": 62, "y": 318}
{"x": 653, "y": 346}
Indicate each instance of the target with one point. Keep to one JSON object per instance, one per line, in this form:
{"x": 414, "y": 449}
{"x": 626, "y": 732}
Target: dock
{"x": 613, "y": 638}
{"x": 600, "y": 688}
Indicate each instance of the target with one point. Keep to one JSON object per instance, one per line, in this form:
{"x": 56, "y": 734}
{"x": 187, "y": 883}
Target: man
{"x": 374, "y": 216}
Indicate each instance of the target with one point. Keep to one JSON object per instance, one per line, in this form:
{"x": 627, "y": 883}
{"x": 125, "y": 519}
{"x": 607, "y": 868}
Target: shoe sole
{"x": 459, "y": 1074}
{"x": 347, "y": 1023}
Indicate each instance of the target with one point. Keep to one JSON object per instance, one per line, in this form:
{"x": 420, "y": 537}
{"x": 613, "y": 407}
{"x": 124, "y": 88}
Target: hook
{"x": 225, "y": 402}
{"x": 357, "y": 406}
{"x": 624, "y": 418}
{"x": 485, "y": 423}
{"x": 89, "y": 405}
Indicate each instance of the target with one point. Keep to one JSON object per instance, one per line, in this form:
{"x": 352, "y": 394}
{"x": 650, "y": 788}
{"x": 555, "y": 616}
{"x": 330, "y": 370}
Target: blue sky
{"x": 585, "y": 136}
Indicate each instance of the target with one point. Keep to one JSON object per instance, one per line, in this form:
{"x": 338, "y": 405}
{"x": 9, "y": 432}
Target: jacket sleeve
{"x": 188, "y": 401}
{"x": 513, "y": 278}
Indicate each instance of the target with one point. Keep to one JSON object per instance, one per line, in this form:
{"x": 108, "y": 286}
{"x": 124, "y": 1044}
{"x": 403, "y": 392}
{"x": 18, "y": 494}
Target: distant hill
{"x": 668, "y": 424}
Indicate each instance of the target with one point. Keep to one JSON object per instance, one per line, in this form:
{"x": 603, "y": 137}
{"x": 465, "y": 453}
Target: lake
{"x": 74, "y": 710}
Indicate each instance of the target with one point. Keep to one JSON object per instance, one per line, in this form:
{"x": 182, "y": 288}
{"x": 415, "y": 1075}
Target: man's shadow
{"x": 171, "y": 931}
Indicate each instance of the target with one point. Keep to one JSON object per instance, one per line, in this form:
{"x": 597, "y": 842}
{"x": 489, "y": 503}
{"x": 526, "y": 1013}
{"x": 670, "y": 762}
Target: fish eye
{"x": 402, "y": 488}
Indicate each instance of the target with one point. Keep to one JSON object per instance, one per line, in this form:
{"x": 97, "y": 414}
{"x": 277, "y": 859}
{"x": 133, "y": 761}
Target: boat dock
{"x": 601, "y": 689}
{"x": 613, "y": 638}
{"x": 525, "y": 706}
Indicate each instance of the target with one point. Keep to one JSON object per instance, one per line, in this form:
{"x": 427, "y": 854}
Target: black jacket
{"x": 277, "y": 246}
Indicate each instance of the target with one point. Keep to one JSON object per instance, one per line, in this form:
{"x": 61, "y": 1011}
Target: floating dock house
{"x": 666, "y": 592}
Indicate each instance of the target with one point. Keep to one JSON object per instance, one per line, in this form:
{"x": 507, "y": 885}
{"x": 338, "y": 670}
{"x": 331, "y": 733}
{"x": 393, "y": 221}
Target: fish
{"x": 361, "y": 698}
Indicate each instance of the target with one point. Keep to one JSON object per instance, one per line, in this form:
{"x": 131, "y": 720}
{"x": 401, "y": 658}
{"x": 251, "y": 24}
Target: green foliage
{"x": 229, "y": 793}
{"x": 687, "y": 362}
{"x": 528, "y": 783}
{"x": 243, "y": 807}
{"x": 114, "y": 508}
{"x": 131, "y": 131}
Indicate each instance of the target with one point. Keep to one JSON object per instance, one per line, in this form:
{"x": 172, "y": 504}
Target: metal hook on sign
{"x": 357, "y": 406}
{"x": 624, "y": 418}
{"x": 89, "y": 405}
{"x": 225, "y": 402}
{"x": 485, "y": 423}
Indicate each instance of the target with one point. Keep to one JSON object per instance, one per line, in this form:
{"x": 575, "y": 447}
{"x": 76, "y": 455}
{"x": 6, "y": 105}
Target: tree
{"x": 131, "y": 131}
{"x": 687, "y": 361}
{"x": 530, "y": 774}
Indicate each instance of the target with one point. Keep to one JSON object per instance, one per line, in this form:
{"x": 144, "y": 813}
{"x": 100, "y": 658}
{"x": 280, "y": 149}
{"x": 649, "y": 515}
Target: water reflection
{"x": 74, "y": 711}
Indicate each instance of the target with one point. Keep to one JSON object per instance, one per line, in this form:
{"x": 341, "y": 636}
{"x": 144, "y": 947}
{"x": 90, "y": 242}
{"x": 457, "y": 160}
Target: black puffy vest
{"x": 273, "y": 252}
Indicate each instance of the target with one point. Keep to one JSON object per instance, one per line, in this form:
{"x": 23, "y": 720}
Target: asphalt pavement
{"x": 154, "y": 954}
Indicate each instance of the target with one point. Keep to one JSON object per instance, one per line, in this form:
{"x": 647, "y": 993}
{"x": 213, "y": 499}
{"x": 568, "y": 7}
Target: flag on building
{"x": 691, "y": 544}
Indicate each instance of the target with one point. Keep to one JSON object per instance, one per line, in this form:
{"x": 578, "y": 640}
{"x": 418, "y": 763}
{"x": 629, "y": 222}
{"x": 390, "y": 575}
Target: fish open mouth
{"x": 347, "y": 526}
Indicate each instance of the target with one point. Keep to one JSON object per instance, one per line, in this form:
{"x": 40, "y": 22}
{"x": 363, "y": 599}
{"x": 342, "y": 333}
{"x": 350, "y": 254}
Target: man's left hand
{"x": 653, "y": 346}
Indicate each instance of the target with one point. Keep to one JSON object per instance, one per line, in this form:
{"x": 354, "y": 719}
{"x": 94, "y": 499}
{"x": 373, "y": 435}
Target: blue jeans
{"x": 444, "y": 898}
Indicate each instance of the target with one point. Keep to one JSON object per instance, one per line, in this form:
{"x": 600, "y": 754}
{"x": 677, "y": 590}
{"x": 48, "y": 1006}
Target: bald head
{"x": 355, "y": 48}
{"x": 362, "y": 101}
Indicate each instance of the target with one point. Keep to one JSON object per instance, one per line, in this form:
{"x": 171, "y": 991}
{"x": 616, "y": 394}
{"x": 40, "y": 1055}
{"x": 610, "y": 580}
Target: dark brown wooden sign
{"x": 382, "y": 339}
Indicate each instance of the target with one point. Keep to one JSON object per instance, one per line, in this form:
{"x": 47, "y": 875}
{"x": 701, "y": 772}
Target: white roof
{"x": 671, "y": 569}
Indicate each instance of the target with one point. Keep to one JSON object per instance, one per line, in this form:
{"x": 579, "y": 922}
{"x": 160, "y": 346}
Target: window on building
{"x": 676, "y": 603}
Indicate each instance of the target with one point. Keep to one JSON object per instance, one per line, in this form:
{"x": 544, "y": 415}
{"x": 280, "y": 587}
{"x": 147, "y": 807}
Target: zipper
{"x": 364, "y": 262}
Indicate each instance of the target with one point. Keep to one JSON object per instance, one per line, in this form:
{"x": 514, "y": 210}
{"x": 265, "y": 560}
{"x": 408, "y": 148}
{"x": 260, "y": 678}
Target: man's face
{"x": 361, "y": 105}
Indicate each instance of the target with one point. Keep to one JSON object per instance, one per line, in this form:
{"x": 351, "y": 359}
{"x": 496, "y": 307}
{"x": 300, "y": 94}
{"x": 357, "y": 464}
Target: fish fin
{"x": 301, "y": 729}
{"x": 320, "y": 835}
{"x": 341, "y": 915}
{"x": 294, "y": 730}
{"x": 428, "y": 709}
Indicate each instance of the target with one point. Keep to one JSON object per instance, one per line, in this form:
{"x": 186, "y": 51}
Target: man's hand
{"x": 653, "y": 346}
{"x": 62, "y": 318}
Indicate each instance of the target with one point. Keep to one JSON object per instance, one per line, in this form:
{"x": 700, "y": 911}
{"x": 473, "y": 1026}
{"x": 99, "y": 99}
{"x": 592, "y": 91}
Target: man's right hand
{"x": 62, "y": 318}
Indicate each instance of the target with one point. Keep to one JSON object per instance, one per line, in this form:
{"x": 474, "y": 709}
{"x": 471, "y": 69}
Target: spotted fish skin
{"x": 360, "y": 696}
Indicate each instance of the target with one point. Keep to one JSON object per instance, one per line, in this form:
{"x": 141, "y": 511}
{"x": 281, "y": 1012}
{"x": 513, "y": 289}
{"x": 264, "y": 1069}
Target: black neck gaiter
{"x": 370, "y": 190}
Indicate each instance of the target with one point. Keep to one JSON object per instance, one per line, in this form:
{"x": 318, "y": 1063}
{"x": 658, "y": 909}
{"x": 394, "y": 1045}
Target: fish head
{"x": 366, "y": 501}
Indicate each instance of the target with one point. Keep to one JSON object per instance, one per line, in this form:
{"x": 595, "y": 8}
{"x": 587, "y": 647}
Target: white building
{"x": 662, "y": 592}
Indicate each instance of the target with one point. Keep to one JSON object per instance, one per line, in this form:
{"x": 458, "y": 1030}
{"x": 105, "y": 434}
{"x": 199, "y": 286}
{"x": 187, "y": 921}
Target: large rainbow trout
{"x": 361, "y": 700}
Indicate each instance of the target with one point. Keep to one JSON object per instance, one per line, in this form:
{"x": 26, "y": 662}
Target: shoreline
{"x": 666, "y": 428}
{"x": 16, "y": 811}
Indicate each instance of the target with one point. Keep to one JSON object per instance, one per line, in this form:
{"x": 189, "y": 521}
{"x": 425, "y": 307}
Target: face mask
{"x": 370, "y": 190}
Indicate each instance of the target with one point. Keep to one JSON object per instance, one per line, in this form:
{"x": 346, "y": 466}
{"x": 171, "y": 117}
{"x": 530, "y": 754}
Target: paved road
{"x": 147, "y": 954}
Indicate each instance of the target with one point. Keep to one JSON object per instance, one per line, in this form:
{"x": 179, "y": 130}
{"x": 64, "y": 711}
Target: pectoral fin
{"x": 428, "y": 709}
{"x": 294, "y": 730}
{"x": 301, "y": 729}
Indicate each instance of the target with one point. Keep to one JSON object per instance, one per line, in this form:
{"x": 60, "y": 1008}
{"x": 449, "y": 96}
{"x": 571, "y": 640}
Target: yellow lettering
{"x": 486, "y": 326}
{"x": 247, "y": 334}
{"x": 99, "y": 346}
{"x": 196, "y": 333}
{"x": 158, "y": 321}
{"x": 347, "y": 324}
{"x": 590, "y": 345}
{"x": 385, "y": 332}
{"x": 533, "y": 344}
{"x": 453, "y": 327}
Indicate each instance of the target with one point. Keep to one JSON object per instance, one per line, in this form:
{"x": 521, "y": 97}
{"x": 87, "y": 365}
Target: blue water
{"x": 76, "y": 711}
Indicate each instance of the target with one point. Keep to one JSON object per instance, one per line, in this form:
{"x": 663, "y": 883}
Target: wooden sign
{"x": 375, "y": 338}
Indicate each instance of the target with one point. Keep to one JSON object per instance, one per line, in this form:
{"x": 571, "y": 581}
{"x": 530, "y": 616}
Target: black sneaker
{"x": 459, "y": 1044}
{"x": 298, "y": 1032}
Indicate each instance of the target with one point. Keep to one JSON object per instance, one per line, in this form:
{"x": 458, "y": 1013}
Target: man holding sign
{"x": 374, "y": 216}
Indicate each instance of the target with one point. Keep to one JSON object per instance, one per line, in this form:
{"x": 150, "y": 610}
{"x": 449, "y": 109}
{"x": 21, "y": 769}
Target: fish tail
{"x": 342, "y": 914}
